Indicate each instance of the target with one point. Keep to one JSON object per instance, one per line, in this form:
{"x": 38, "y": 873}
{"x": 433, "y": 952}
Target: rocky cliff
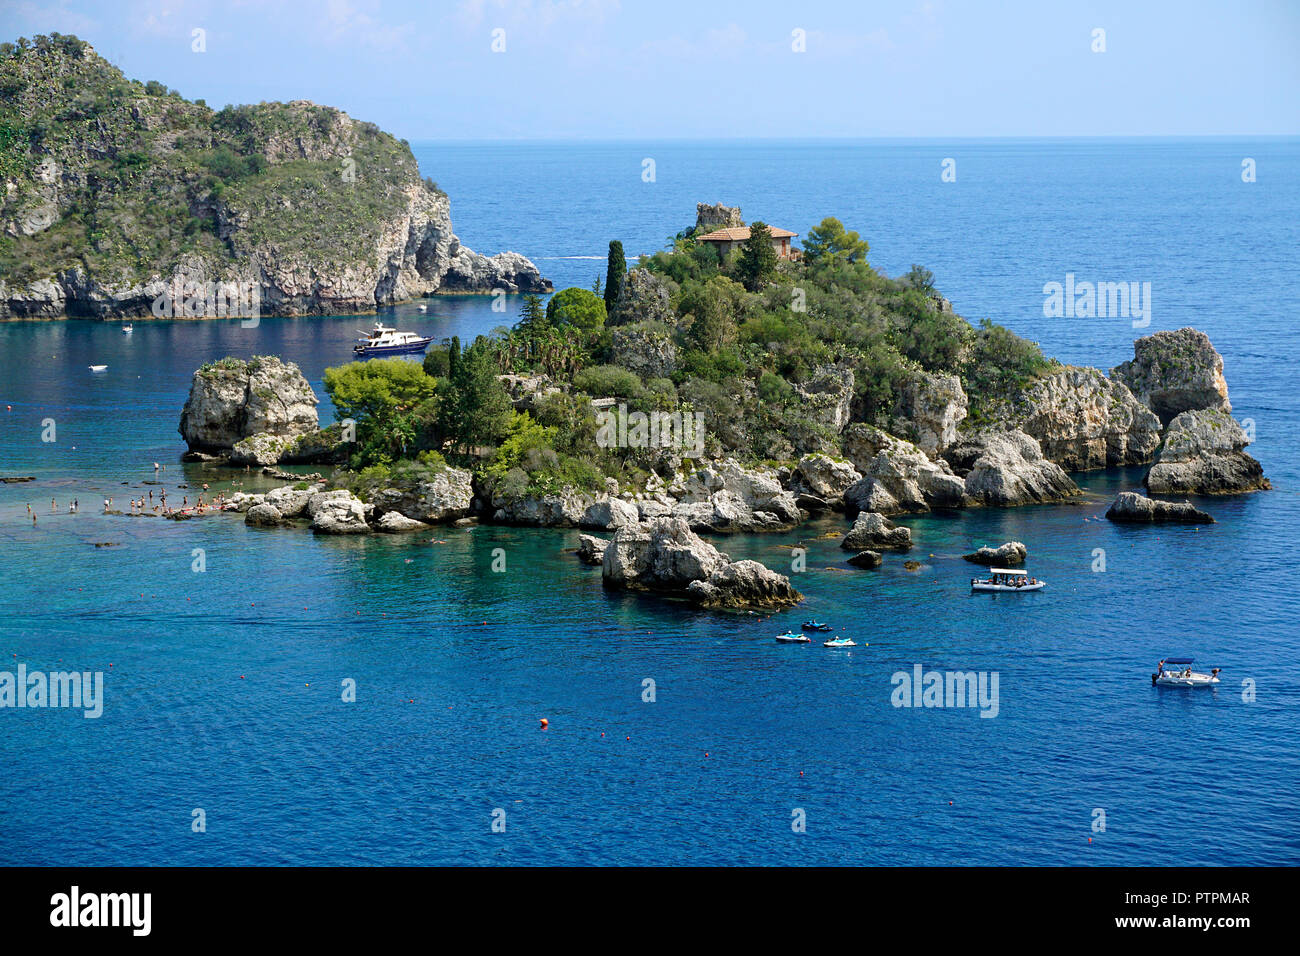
{"x": 125, "y": 199}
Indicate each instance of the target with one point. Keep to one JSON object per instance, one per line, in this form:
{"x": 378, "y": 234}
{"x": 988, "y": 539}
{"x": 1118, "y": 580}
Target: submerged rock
{"x": 1175, "y": 372}
{"x": 867, "y": 559}
{"x": 1131, "y": 507}
{"x": 873, "y": 531}
{"x": 665, "y": 555}
{"x": 1203, "y": 454}
{"x": 1003, "y": 556}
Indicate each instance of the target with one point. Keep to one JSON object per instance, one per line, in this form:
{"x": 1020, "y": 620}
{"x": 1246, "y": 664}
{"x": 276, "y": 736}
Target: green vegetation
{"x": 615, "y": 271}
{"x": 148, "y": 177}
{"x": 749, "y": 343}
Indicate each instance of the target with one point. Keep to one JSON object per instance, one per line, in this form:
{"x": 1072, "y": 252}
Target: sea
{"x": 272, "y": 697}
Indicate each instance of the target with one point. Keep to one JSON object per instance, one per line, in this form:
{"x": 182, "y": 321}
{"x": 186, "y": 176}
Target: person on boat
{"x": 1160, "y": 669}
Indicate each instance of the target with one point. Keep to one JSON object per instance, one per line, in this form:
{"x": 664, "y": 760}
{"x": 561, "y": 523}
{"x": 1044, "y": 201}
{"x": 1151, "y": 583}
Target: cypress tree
{"x": 614, "y": 274}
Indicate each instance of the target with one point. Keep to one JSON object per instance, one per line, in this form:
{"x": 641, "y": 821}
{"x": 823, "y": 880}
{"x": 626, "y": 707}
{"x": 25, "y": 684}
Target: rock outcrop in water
{"x": 1003, "y": 556}
{"x": 1203, "y": 453}
{"x": 1175, "y": 372}
{"x": 160, "y": 203}
{"x": 1132, "y": 508}
{"x": 1006, "y": 468}
{"x": 1083, "y": 420}
{"x": 233, "y": 400}
{"x": 874, "y": 532}
{"x": 664, "y": 555}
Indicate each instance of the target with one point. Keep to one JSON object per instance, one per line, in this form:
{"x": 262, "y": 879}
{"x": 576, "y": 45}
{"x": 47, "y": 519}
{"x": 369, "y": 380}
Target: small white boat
{"x": 1181, "y": 674}
{"x": 1005, "y": 579}
{"x": 99, "y": 368}
{"x": 423, "y": 308}
{"x": 128, "y": 328}
{"x": 790, "y": 637}
{"x": 840, "y": 642}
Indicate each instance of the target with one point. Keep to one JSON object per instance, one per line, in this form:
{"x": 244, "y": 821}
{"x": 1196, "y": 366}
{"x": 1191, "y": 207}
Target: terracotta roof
{"x": 736, "y": 233}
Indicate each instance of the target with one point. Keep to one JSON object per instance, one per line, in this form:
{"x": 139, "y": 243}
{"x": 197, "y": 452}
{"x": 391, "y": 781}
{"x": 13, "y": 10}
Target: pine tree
{"x": 615, "y": 272}
{"x": 532, "y": 317}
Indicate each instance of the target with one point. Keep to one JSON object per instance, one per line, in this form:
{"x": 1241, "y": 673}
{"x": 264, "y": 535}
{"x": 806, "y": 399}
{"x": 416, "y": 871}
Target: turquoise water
{"x": 224, "y": 690}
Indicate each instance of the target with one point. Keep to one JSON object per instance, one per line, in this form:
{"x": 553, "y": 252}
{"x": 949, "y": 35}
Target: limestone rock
{"x": 647, "y": 350}
{"x": 1003, "y": 556}
{"x": 236, "y": 399}
{"x": 337, "y": 512}
{"x": 726, "y": 496}
{"x": 591, "y": 550}
{"x": 394, "y": 522}
{"x": 867, "y": 559}
{"x": 446, "y": 496}
{"x": 263, "y": 516}
{"x": 644, "y": 297}
{"x": 1083, "y": 420}
{"x": 827, "y": 396}
{"x": 897, "y": 477}
{"x": 824, "y": 477}
{"x": 609, "y": 514}
{"x": 1007, "y": 468}
{"x": 1203, "y": 454}
{"x": 1175, "y": 372}
{"x": 930, "y": 408}
{"x": 665, "y": 555}
{"x": 873, "y": 531}
{"x": 261, "y": 449}
{"x": 290, "y": 501}
{"x": 1131, "y": 507}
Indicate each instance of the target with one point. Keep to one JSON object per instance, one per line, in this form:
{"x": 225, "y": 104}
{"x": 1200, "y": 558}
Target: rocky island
{"x": 124, "y": 199}
{"x": 871, "y": 401}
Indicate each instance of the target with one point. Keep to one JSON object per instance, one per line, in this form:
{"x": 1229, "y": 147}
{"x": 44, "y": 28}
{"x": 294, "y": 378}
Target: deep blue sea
{"x": 223, "y": 686}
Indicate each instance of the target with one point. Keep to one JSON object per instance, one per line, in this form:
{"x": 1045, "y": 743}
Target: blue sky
{"x": 638, "y": 69}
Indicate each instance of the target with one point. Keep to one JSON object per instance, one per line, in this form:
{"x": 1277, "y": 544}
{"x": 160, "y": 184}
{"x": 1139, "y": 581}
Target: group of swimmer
{"x": 145, "y": 504}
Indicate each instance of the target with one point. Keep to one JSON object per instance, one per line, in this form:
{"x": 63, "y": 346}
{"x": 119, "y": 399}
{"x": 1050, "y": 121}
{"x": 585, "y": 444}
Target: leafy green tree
{"x": 615, "y": 272}
{"x": 756, "y": 264}
{"x": 920, "y": 278}
{"x": 712, "y": 311}
{"x": 580, "y": 308}
{"x": 382, "y": 396}
{"x": 374, "y": 390}
{"x": 829, "y": 243}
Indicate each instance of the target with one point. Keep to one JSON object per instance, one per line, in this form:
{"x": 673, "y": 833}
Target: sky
{"x": 711, "y": 69}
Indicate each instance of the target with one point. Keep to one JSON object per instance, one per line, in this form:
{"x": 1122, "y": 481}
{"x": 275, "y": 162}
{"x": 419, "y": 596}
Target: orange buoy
{"x": 545, "y": 723}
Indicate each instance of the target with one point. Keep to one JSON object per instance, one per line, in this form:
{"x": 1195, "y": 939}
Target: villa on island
{"x": 728, "y": 240}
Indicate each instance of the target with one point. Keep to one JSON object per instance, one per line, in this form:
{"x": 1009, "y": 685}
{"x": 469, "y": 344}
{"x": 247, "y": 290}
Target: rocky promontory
{"x": 272, "y": 209}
